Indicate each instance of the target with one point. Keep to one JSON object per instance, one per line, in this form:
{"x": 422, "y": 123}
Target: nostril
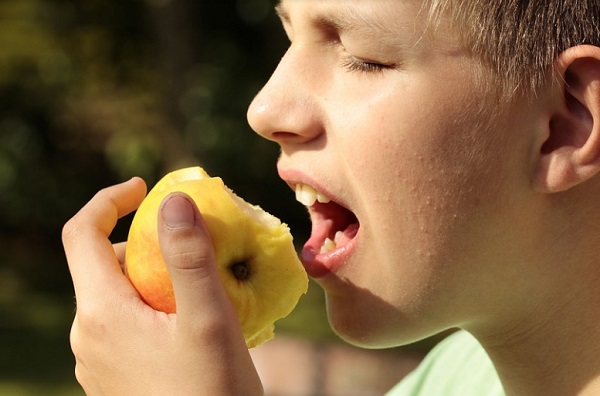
{"x": 283, "y": 135}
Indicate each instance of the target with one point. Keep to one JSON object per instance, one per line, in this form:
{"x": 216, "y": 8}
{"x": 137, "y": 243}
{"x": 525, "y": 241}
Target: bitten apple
{"x": 257, "y": 262}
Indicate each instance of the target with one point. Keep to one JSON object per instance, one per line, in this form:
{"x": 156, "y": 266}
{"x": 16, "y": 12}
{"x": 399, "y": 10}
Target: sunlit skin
{"x": 459, "y": 220}
{"x": 402, "y": 148}
{"x": 435, "y": 208}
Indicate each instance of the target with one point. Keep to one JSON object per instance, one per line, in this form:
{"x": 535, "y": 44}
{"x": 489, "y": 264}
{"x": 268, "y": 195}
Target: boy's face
{"x": 386, "y": 120}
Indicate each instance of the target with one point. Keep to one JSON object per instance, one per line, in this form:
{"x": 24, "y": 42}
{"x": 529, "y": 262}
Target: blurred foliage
{"x": 93, "y": 92}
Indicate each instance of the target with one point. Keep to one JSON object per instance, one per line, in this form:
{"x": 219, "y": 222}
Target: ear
{"x": 570, "y": 154}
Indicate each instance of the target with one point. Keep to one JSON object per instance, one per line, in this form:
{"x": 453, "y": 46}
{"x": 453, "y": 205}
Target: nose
{"x": 287, "y": 109}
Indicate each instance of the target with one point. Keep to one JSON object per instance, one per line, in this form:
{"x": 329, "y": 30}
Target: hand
{"x": 124, "y": 347}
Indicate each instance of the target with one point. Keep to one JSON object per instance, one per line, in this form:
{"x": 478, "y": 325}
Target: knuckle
{"x": 70, "y": 230}
{"x": 218, "y": 324}
{"x": 88, "y": 322}
{"x": 102, "y": 194}
{"x": 74, "y": 340}
{"x": 188, "y": 250}
{"x": 208, "y": 330}
{"x": 79, "y": 373}
{"x": 78, "y": 352}
{"x": 82, "y": 377}
{"x": 105, "y": 200}
{"x": 189, "y": 260}
{"x": 102, "y": 199}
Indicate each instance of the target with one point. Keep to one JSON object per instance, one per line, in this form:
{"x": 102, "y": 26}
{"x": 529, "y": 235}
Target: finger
{"x": 90, "y": 255}
{"x": 188, "y": 251}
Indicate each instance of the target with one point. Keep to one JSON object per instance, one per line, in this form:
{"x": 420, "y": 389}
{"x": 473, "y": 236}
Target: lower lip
{"x": 322, "y": 264}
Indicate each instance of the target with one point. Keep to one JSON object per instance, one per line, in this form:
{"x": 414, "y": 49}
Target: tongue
{"x": 328, "y": 220}
{"x": 324, "y": 229}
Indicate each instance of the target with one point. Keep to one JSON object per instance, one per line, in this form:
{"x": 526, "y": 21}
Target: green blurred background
{"x": 93, "y": 92}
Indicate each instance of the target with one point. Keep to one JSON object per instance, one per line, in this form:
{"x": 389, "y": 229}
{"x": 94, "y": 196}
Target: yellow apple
{"x": 256, "y": 258}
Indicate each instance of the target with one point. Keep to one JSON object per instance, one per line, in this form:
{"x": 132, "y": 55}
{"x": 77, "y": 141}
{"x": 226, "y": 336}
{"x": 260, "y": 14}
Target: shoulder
{"x": 456, "y": 366}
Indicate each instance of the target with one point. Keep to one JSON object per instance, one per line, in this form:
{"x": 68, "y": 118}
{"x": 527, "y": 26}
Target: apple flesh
{"x": 256, "y": 258}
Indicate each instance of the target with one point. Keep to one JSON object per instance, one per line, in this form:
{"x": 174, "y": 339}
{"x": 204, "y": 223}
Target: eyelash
{"x": 356, "y": 65}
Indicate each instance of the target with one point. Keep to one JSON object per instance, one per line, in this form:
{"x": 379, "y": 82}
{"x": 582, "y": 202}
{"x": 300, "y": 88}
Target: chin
{"x": 369, "y": 322}
{"x": 364, "y": 319}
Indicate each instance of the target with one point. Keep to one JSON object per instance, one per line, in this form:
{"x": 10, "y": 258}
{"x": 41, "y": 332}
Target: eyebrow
{"x": 348, "y": 20}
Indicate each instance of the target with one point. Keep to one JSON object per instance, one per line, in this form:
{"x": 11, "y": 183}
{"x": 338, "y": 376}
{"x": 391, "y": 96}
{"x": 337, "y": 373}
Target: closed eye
{"x": 354, "y": 64}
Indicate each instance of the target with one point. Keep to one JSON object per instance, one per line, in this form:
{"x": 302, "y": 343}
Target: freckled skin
{"x": 418, "y": 162}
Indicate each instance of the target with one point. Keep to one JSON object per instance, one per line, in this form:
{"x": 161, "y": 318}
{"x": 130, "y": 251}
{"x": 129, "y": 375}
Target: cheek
{"x": 423, "y": 162}
{"x": 428, "y": 179}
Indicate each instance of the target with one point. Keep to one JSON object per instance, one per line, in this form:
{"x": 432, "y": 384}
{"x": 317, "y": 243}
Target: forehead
{"x": 381, "y": 14}
{"x": 391, "y": 21}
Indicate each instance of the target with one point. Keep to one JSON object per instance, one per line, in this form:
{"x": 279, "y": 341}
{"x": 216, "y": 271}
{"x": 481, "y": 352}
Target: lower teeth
{"x": 330, "y": 245}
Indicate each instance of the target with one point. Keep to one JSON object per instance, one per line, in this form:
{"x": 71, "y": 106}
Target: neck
{"x": 553, "y": 351}
{"x": 545, "y": 339}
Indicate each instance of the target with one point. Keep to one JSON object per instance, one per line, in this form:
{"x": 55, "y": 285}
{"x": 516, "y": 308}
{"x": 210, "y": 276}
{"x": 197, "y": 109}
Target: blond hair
{"x": 519, "y": 40}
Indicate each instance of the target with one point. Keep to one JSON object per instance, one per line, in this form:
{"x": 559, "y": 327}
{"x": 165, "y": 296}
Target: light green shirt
{"x": 457, "y": 366}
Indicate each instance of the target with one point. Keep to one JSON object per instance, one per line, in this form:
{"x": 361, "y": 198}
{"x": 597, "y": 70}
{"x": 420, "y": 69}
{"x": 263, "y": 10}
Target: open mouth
{"x": 333, "y": 226}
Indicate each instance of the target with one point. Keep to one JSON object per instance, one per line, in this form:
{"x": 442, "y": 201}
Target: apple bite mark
{"x": 255, "y": 255}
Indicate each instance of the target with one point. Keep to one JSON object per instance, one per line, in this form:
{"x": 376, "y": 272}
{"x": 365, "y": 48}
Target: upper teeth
{"x": 307, "y": 195}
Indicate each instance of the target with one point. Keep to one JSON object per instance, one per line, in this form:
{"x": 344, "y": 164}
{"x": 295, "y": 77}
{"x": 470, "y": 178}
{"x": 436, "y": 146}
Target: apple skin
{"x": 256, "y": 259}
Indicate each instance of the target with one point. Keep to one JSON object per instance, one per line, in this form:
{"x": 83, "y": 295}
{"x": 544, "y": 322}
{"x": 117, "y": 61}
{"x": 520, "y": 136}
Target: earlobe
{"x": 570, "y": 155}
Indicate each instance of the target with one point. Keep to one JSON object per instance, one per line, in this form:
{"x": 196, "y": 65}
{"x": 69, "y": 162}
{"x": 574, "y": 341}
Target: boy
{"x": 459, "y": 143}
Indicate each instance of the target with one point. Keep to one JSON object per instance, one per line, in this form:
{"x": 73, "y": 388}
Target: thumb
{"x": 188, "y": 252}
